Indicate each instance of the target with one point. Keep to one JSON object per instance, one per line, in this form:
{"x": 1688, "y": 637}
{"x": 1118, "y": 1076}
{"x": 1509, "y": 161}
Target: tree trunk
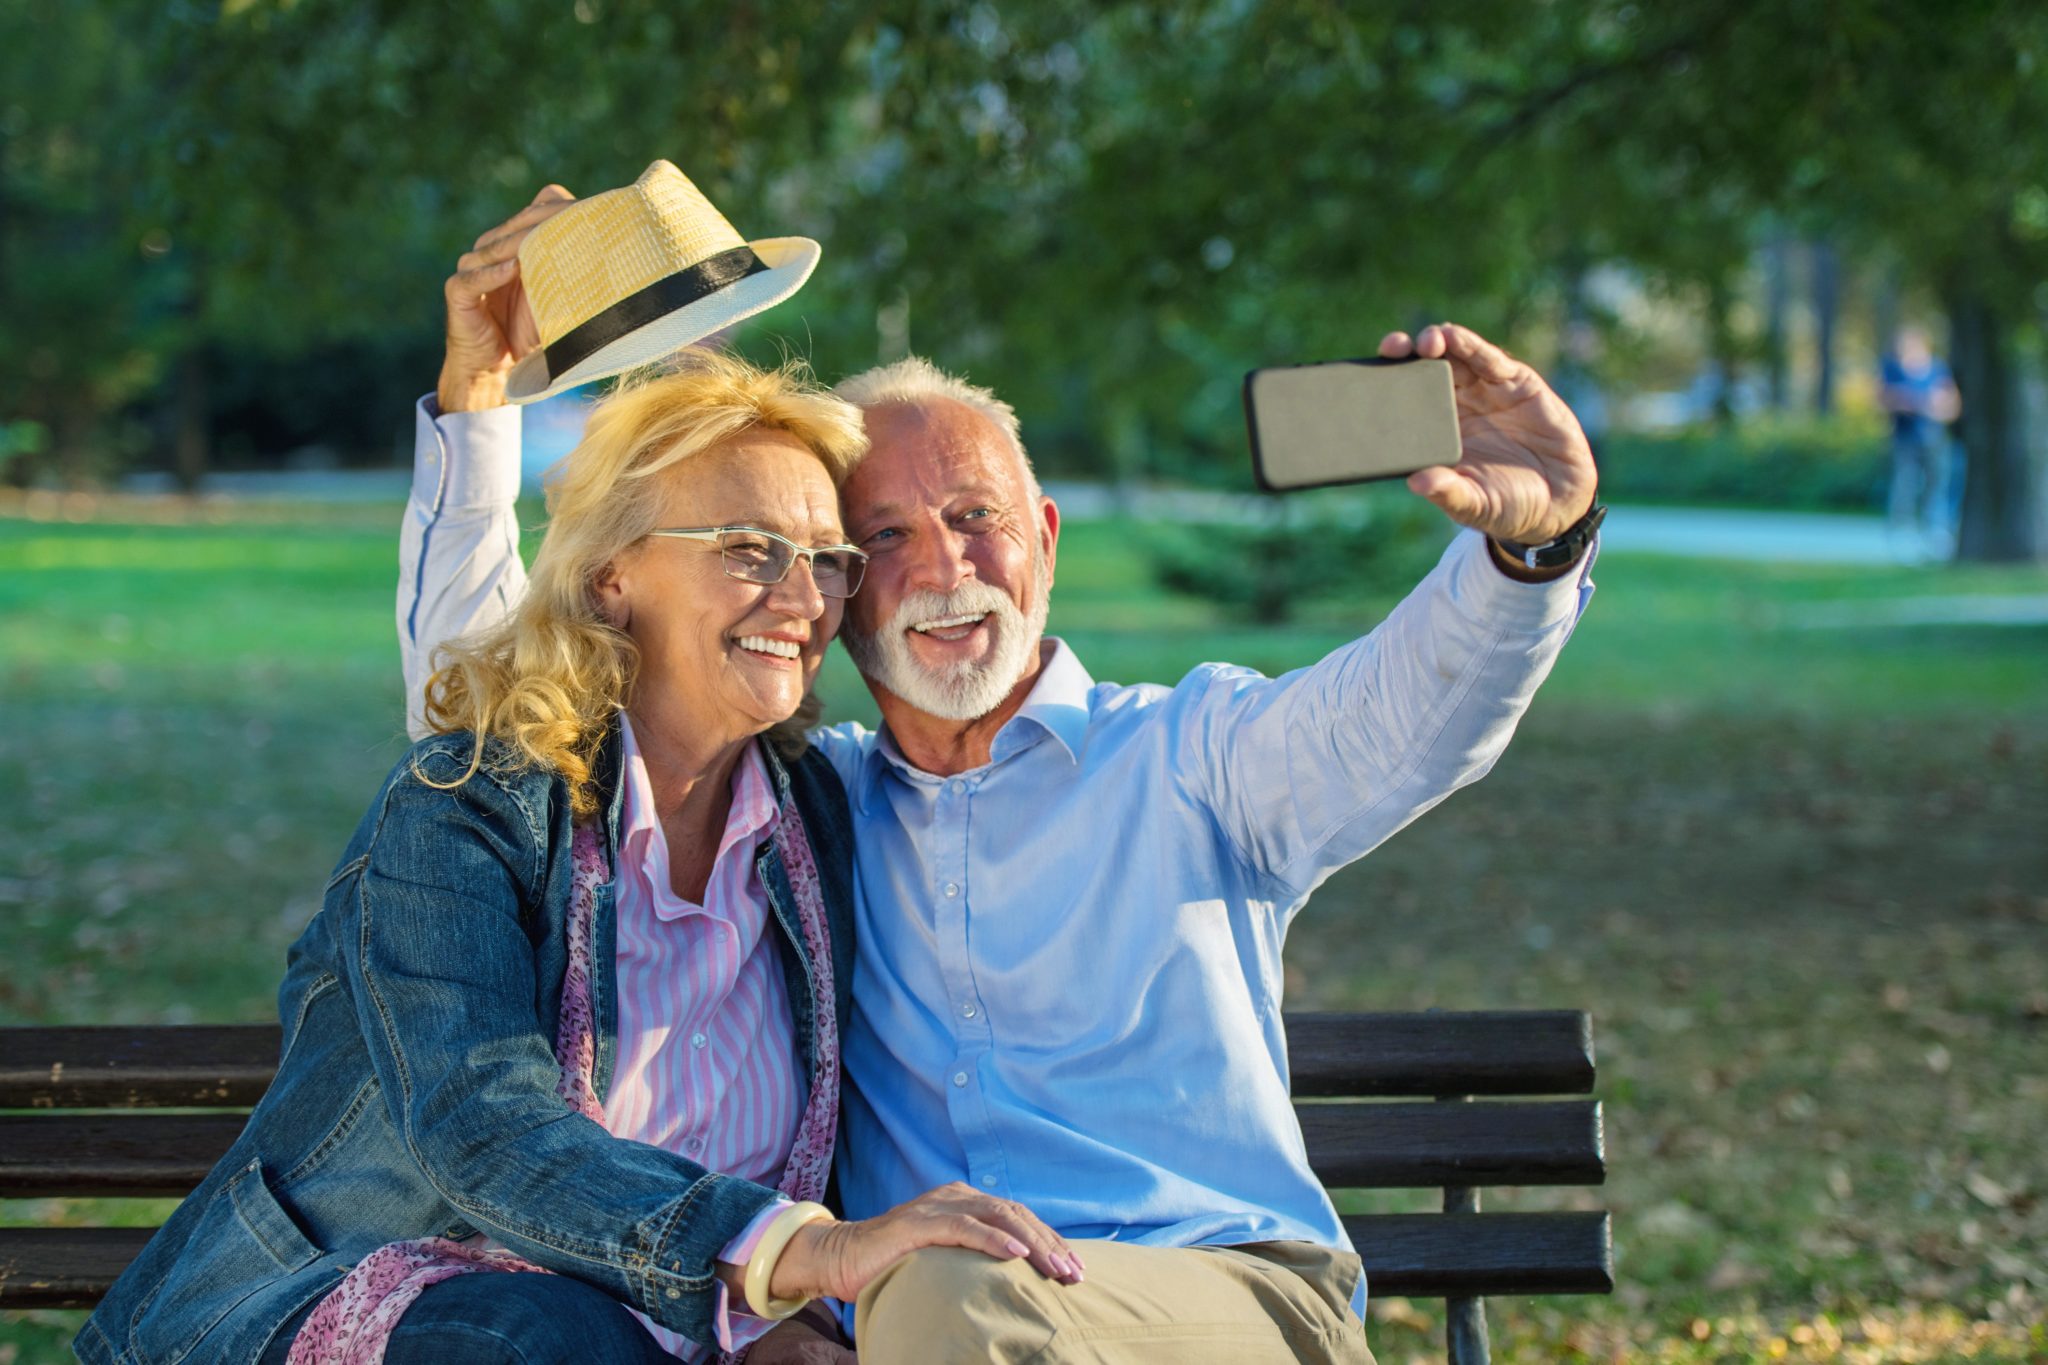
{"x": 1777, "y": 302}
{"x": 1722, "y": 349}
{"x": 1827, "y": 307}
{"x": 194, "y": 440}
{"x": 2002, "y": 489}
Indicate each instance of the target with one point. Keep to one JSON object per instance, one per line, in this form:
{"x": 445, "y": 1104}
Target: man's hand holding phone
{"x": 1525, "y": 472}
{"x": 1472, "y": 429}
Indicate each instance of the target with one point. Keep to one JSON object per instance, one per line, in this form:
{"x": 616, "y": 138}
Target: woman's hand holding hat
{"x": 490, "y": 327}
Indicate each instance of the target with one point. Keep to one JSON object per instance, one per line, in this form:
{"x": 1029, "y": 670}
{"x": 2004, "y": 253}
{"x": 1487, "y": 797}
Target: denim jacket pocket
{"x": 244, "y": 1241}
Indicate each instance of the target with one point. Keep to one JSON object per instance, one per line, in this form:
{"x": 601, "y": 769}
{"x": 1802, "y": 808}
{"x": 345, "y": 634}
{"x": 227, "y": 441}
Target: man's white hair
{"x": 914, "y": 379}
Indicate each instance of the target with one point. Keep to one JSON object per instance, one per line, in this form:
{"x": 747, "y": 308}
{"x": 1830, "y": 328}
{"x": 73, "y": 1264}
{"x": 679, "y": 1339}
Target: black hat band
{"x": 657, "y": 300}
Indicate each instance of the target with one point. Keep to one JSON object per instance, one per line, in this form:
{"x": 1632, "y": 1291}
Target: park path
{"x": 1692, "y": 532}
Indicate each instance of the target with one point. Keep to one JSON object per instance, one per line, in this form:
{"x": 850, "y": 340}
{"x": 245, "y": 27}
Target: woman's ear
{"x": 608, "y": 594}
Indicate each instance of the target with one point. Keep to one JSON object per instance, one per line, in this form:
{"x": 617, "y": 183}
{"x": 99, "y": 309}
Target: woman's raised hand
{"x": 490, "y": 328}
{"x": 838, "y": 1259}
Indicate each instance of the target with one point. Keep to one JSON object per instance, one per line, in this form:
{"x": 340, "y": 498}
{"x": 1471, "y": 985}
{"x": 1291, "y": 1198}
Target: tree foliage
{"x": 1107, "y": 210}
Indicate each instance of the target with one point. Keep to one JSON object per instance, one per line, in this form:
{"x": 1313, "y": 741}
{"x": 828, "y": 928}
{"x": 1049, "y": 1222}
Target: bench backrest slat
{"x": 1478, "y": 1052}
{"x": 183, "y": 1066}
{"x": 1413, "y": 1146}
{"x": 1519, "y": 1052}
{"x": 1399, "y": 1145}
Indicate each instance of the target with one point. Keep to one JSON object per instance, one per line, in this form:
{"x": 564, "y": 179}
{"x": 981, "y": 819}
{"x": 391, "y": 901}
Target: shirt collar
{"x": 643, "y": 846}
{"x": 1057, "y": 705}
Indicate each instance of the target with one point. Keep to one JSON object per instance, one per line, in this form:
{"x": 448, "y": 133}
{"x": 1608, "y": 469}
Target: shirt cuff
{"x": 465, "y": 459}
{"x": 1485, "y": 589}
{"x": 737, "y": 1253}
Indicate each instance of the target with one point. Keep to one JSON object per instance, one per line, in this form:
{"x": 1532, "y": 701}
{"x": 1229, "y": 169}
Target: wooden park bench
{"x": 1387, "y": 1101}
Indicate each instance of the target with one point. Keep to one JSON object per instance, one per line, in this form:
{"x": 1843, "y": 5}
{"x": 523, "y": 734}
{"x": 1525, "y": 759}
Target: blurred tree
{"x": 1109, "y": 211}
{"x": 78, "y": 332}
{"x": 1873, "y": 124}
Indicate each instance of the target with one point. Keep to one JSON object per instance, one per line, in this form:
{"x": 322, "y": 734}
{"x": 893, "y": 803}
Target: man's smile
{"x": 951, "y": 628}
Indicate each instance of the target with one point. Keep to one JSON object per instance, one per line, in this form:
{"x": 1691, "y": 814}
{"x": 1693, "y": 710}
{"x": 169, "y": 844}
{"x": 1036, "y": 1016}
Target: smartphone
{"x": 1349, "y": 421}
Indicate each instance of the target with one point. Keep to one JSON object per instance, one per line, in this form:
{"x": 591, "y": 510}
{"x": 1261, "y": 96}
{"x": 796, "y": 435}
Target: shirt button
{"x": 698, "y": 1040}
{"x": 695, "y": 1144}
{"x": 967, "y": 1010}
{"x": 956, "y": 786}
{"x": 952, "y": 889}
{"x": 988, "y": 1182}
{"x": 959, "y": 1078}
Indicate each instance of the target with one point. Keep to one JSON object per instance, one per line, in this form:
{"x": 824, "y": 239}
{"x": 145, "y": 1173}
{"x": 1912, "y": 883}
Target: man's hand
{"x": 809, "y": 1338}
{"x": 836, "y": 1260}
{"x": 1526, "y": 473}
{"x": 490, "y": 328}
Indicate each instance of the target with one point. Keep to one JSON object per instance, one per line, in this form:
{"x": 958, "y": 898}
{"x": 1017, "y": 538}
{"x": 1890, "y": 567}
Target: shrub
{"x": 1264, "y": 571}
{"x": 1840, "y": 465}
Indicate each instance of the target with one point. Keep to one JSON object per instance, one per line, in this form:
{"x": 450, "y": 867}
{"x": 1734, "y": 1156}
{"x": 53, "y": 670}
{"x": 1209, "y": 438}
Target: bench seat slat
{"x": 1477, "y": 1255}
{"x": 1520, "y": 1052}
{"x": 1417, "y": 1145}
{"x": 1424, "y": 1255}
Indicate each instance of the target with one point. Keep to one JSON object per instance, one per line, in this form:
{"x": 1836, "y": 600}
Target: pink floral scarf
{"x": 353, "y": 1324}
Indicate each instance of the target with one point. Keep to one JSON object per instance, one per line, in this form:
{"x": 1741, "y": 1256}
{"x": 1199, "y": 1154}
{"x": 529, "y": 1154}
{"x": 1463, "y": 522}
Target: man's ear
{"x": 1049, "y": 532}
{"x": 608, "y": 595}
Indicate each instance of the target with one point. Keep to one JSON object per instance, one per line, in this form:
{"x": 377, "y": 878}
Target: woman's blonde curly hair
{"x": 549, "y": 681}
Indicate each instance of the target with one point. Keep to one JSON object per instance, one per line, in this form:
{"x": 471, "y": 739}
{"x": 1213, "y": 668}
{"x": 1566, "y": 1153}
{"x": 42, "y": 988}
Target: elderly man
{"x": 1073, "y": 895}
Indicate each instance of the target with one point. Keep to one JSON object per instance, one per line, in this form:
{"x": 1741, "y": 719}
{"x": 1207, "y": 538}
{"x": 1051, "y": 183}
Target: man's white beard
{"x": 965, "y": 690}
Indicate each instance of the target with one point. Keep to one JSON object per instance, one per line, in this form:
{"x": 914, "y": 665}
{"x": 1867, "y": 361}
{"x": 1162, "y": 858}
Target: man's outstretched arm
{"x": 458, "y": 553}
{"x": 1308, "y": 772}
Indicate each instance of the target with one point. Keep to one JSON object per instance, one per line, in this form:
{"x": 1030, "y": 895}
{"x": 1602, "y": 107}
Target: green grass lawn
{"x": 1799, "y": 876}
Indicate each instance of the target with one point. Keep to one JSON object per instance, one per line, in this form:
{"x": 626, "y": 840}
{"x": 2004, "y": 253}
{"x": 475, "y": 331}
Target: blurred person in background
{"x": 1920, "y": 394}
{"x": 1071, "y": 897}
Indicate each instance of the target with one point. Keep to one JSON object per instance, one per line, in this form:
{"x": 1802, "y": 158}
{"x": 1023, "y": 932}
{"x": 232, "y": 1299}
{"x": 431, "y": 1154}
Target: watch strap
{"x": 1561, "y": 550}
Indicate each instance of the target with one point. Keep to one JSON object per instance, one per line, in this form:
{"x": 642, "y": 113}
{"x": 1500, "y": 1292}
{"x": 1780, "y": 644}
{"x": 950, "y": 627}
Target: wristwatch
{"x": 1568, "y": 546}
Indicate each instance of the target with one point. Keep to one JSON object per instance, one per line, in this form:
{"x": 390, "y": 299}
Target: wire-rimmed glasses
{"x": 753, "y": 555}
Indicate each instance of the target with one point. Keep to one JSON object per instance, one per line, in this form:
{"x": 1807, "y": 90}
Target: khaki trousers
{"x": 1271, "y": 1301}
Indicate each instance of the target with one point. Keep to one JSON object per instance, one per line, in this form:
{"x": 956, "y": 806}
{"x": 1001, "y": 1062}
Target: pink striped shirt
{"x": 707, "y": 1065}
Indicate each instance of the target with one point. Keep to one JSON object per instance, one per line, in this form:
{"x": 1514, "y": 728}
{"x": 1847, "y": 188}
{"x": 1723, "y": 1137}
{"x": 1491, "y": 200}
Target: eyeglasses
{"x": 753, "y": 555}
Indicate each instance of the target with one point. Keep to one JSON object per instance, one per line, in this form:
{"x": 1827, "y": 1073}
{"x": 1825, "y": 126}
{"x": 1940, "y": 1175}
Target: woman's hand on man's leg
{"x": 836, "y": 1260}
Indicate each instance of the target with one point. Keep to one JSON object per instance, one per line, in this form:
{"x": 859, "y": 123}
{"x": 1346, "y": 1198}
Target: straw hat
{"x": 626, "y": 277}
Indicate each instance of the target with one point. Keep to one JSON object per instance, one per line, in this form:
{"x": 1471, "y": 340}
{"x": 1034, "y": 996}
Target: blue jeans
{"x": 498, "y": 1319}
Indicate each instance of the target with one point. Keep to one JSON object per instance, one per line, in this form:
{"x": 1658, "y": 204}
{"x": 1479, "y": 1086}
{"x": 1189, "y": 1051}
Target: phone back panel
{"x": 1348, "y": 421}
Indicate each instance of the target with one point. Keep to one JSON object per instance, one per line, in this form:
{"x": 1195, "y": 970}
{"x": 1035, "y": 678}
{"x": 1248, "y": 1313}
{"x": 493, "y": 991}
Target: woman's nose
{"x": 797, "y": 593}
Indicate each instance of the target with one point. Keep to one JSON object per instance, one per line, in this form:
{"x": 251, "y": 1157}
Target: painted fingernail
{"x": 1017, "y": 1248}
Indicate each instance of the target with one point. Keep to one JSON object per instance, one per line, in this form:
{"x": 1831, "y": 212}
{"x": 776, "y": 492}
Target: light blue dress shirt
{"x": 1068, "y": 981}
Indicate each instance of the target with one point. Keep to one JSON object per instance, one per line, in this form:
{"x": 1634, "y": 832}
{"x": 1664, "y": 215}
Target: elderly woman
{"x": 573, "y": 1001}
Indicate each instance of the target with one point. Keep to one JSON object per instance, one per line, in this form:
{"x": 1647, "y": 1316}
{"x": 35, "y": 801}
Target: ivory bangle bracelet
{"x": 761, "y": 1265}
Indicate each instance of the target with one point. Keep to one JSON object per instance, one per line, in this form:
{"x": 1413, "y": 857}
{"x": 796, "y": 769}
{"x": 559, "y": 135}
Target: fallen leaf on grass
{"x": 1988, "y": 1191}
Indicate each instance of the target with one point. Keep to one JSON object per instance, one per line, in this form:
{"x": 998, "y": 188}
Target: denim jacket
{"x": 415, "y": 1095}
